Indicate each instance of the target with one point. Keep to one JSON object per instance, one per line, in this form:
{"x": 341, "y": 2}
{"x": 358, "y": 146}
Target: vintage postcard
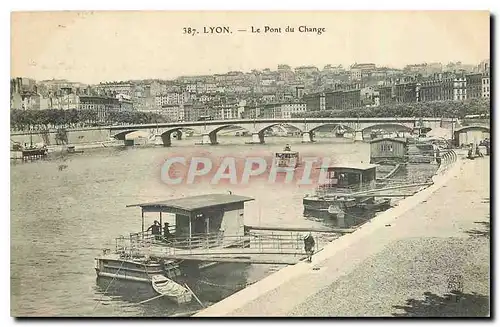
{"x": 250, "y": 164}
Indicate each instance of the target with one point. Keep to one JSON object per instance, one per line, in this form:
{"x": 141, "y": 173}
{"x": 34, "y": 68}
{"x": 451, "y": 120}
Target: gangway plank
{"x": 169, "y": 252}
{"x": 237, "y": 259}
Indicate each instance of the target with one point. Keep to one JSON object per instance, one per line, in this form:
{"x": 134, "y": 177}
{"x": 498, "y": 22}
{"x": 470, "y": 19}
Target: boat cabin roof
{"x": 285, "y": 151}
{"x": 193, "y": 203}
{"x": 356, "y": 166}
{"x": 398, "y": 140}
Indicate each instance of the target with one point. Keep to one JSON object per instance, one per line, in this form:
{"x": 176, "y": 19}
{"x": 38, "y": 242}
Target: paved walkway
{"x": 401, "y": 264}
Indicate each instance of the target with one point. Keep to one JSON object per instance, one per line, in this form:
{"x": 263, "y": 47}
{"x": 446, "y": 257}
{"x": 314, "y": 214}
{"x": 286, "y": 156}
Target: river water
{"x": 61, "y": 219}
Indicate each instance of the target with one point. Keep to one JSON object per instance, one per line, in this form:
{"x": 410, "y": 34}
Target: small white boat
{"x": 170, "y": 289}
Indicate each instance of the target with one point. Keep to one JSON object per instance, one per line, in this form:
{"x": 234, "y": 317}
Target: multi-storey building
{"x": 191, "y": 88}
{"x": 342, "y": 99}
{"x": 448, "y": 88}
{"x": 103, "y": 105}
{"x": 25, "y": 101}
{"x": 227, "y": 111}
{"x": 430, "y": 90}
{"x": 315, "y": 101}
{"x": 306, "y": 70}
{"x": 359, "y": 71}
{"x": 484, "y": 66}
{"x": 173, "y": 98}
{"x": 172, "y": 112}
{"x": 270, "y": 110}
{"x": 356, "y": 74}
{"x": 460, "y": 88}
{"x": 195, "y": 111}
{"x": 61, "y": 102}
{"x": 156, "y": 88}
{"x": 385, "y": 94}
{"x": 288, "y": 109}
{"x": 24, "y": 94}
{"x": 251, "y": 112}
{"x": 424, "y": 69}
{"x": 474, "y": 85}
{"x": 405, "y": 92}
{"x": 269, "y": 97}
{"x": 485, "y": 85}
{"x": 115, "y": 88}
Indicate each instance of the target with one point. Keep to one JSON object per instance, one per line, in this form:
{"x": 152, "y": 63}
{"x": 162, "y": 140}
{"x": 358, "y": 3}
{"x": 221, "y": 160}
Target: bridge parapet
{"x": 257, "y": 127}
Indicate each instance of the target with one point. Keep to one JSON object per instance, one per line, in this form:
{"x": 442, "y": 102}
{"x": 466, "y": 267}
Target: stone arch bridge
{"x": 257, "y": 127}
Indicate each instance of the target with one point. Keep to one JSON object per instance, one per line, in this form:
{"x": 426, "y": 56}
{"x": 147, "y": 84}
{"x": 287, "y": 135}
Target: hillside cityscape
{"x": 363, "y": 89}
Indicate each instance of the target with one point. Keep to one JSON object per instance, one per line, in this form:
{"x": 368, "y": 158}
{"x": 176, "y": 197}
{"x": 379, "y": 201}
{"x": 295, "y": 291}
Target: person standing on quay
{"x": 309, "y": 246}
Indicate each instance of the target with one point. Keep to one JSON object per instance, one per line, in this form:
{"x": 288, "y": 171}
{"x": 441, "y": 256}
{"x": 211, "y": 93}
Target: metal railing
{"x": 447, "y": 159}
{"x": 326, "y": 191}
{"x": 139, "y": 244}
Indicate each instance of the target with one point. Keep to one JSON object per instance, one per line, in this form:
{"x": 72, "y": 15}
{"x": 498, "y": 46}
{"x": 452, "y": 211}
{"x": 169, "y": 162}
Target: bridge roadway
{"x": 406, "y": 262}
{"x": 257, "y": 127}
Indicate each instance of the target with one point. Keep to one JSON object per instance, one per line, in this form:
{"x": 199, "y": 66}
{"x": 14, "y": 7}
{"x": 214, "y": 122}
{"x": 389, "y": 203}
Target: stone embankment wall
{"x": 75, "y": 136}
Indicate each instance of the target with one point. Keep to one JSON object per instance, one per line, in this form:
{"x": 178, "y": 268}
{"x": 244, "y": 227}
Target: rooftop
{"x": 400, "y": 140}
{"x": 353, "y": 166}
{"x": 195, "y": 202}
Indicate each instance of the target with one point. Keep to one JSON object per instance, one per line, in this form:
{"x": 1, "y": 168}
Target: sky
{"x": 91, "y": 47}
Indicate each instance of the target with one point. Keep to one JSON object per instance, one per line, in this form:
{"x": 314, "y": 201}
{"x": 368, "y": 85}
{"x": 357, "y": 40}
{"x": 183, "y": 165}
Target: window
{"x": 387, "y": 147}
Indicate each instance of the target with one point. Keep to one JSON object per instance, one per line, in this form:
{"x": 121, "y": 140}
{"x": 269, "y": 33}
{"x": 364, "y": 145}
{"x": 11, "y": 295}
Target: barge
{"x": 199, "y": 222}
{"x": 342, "y": 191}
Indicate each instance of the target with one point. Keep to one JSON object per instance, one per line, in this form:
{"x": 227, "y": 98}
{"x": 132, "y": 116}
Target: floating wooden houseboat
{"x": 33, "y": 152}
{"x": 286, "y": 158}
{"x": 200, "y": 222}
{"x": 342, "y": 192}
{"x": 388, "y": 151}
{"x": 420, "y": 151}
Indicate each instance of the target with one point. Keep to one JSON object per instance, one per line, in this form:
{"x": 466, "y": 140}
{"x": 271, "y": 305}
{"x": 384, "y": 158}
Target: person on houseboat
{"x": 155, "y": 229}
{"x": 469, "y": 154}
{"x": 478, "y": 152}
{"x": 166, "y": 232}
{"x": 487, "y": 145}
{"x": 309, "y": 246}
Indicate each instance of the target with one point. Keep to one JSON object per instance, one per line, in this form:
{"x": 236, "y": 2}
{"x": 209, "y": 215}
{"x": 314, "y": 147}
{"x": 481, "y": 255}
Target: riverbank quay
{"x": 427, "y": 257}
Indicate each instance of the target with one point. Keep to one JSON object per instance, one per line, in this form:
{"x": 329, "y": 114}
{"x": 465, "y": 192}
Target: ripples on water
{"x": 60, "y": 221}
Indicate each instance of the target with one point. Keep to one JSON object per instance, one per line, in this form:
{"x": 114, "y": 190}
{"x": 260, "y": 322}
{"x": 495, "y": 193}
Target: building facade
{"x": 102, "y": 105}
{"x": 405, "y": 92}
{"x": 485, "y": 82}
{"x": 459, "y": 89}
{"x": 474, "y": 85}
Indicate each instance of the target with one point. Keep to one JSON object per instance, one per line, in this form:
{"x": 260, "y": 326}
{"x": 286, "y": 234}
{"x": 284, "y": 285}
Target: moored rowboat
{"x": 170, "y": 289}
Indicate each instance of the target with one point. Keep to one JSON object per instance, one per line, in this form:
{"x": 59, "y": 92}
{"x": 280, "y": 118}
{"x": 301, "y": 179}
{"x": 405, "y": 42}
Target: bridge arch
{"x": 121, "y": 135}
{"x": 334, "y": 125}
{"x": 388, "y": 127}
{"x": 166, "y": 135}
{"x": 261, "y": 128}
{"x": 473, "y": 128}
{"x": 220, "y": 128}
{"x": 210, "y": 136}
{"x": 471, "y": 134}
{"x": 258, "y": 130}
